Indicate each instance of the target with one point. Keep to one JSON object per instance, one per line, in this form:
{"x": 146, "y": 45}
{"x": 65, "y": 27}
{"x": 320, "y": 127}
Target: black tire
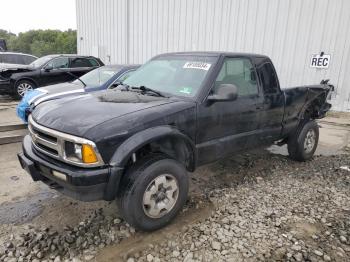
{"x": 20, "y": 85}
{"x": 298, "y": 148}
{"x": 137, "y": 180}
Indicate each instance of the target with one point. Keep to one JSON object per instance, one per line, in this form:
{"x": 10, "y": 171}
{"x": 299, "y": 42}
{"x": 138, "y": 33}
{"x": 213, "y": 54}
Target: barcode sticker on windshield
{"x": 197, "y": 65}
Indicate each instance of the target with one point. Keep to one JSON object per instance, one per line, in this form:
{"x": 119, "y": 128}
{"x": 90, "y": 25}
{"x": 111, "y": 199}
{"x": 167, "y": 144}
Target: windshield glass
{"x": 177, "y": 75}
{"x": 98, "y": 77}
{"x": 40, "y": 61}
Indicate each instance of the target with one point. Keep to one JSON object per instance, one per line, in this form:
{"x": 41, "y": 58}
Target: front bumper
{"x": 5, "y": 87}
{"x": 85, "y": 184}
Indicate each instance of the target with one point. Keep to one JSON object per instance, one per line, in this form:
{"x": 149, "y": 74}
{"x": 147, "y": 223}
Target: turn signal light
{"x": 88, "y": 154}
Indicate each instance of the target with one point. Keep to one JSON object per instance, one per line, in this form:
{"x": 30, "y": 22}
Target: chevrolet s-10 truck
{"x": 137, "y": 142}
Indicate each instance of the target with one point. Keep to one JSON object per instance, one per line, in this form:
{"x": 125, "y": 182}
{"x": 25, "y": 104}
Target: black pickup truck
{"x": 137, "y": 142}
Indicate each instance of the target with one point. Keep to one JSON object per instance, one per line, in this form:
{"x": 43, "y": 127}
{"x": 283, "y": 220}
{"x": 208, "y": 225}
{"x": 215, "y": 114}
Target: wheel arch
{"x": 25, "y": 78}
{"x": 164, "y": 139}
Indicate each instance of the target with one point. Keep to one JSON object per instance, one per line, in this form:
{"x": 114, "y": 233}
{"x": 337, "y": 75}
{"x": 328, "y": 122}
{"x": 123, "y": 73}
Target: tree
{"x": 6, "y": 35}
{"x": 42, "y": 42}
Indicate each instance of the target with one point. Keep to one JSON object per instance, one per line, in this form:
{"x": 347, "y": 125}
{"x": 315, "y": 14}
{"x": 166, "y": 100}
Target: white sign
{"x": 320, "y": 61}
{"x": 197, "y": 65}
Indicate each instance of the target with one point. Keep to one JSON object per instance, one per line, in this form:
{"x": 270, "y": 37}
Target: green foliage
{"x": 42, "y": 42}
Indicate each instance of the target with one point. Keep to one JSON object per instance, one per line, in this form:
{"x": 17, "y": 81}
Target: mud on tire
{"x": 152, "y": 192}
{"x": 302, "y": 145}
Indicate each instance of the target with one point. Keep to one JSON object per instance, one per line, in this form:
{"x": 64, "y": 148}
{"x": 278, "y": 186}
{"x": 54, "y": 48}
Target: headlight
{"x": 80, "y": 153}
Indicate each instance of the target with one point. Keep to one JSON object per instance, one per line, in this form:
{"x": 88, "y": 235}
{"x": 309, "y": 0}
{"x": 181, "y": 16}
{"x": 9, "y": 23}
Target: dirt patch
{"x": 132, "y": 246}
{"x": 305, "y": 230}
{"x": 23, "y": 211}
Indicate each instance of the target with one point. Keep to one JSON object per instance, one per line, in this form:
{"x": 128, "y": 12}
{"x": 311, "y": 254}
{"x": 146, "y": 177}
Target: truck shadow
{"x": 234, "y": 171}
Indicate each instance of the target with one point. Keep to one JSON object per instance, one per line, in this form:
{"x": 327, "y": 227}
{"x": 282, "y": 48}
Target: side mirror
{"x": 225, "y": 92}
{"x": 48, "y": 68}
{"x": 114, "y": 85}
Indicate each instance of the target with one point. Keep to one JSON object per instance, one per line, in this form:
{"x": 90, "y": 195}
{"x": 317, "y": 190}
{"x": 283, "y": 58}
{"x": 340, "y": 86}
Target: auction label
{"x": 197, "y": 65}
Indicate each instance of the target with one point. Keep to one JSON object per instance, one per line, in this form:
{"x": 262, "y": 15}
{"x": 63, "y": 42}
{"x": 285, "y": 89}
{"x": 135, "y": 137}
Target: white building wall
{"x": 289, "y": 31}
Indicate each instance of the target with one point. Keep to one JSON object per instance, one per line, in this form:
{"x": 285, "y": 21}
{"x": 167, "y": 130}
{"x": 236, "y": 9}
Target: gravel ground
{"x": 263, "y": 207}
{"x": 283, "y": 211}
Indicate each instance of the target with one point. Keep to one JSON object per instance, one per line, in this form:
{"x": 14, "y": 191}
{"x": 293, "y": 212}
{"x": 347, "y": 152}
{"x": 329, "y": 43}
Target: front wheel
{"x": 153, "y": 191}
{"x": 302, "y": 145}
{"x": 22, "y": 87}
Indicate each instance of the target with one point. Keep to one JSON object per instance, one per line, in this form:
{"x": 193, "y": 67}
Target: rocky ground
{"x": 283, "y": 211}
{"x": 248, "y": 208}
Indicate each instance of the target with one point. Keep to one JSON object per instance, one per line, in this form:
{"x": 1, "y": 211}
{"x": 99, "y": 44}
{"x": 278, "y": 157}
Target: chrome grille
{"x": 51, "y": 142}
{"x": 44, "y": 141}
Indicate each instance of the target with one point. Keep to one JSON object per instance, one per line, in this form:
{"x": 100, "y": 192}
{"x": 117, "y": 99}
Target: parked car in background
{"x": 3, "y": 46}
{"x": 46, "y": 70}
{"x": 10, "y": 59}
{"x": 98, "y": 79}
{"x": 136, "y": 143}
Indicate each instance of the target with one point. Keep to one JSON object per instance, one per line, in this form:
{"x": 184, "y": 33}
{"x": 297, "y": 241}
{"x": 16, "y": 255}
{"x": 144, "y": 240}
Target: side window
{"x": 21, "y": 59}
{"x": 268, "y": 78}
{"x": 10, "y": 59}
{"x": 28, "y": 59}
{"x": 124, "y": 76}
{"x": 239, "y": 72}
{"x": 60, "y": 62}
{"x": 80, "y": 62}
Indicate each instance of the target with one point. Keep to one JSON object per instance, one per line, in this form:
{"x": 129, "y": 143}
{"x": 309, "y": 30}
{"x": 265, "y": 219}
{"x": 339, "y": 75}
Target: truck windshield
{"x": 175, "y": 75}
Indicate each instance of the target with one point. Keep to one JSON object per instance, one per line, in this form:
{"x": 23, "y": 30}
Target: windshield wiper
{"x": 73, "y": 75}
{"x": 147, "y": 89}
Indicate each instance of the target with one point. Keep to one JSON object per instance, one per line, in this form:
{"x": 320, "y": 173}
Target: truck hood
{"x": 77, "y": 114}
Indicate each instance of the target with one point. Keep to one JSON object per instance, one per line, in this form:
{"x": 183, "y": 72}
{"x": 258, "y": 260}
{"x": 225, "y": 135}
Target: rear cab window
{"x": 268, "y": 78}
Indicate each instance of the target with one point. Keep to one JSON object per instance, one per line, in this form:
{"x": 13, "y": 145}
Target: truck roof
{"x": 214, "y": 53}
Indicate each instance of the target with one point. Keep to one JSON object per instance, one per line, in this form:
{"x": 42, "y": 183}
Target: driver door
{"x": 225, "y": 127}
{"x": 55, "y": 72}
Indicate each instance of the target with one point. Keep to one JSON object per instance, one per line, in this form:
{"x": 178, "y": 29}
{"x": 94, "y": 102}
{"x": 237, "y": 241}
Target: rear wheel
{"x": 302, "y": 145}
{"x": 22, "y": 87}
{"x": 152, "y": 192}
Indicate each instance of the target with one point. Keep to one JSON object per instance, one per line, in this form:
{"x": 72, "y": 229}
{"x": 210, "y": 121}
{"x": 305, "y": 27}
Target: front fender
{"x": 137, "y": 141}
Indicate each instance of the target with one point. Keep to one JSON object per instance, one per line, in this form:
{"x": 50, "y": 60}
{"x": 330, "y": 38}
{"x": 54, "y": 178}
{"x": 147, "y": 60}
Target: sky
{"x": 23, "y": 15}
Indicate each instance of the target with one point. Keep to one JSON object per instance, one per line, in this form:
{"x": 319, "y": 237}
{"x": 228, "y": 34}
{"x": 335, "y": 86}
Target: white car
{"x": 10, "y": 59}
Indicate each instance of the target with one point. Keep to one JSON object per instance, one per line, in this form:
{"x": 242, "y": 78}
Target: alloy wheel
{"x": 23, "y": 88}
